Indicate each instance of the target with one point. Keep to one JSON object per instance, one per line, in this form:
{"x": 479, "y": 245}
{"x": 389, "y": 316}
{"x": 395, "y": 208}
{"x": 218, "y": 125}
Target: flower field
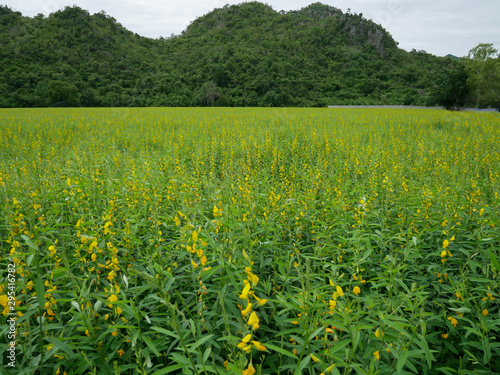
{"x": 249, "y": 241}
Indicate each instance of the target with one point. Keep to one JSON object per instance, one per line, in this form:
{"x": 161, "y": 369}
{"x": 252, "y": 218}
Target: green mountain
{"x": 240, "y": 55}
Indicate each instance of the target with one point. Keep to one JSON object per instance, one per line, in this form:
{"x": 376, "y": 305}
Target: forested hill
{"x": 240, "y": 55}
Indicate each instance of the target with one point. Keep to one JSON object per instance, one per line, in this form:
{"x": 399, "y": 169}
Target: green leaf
{"x": 302, "y": 365}
{"x": 340, "y": 345}
{"x": 280, "y": 350}
{"x": 402, "y": 360}
{"x": 151, "y": 345}
{"x": 61, "y": 345}
{"x": 422, "y": 343}
{"x": 40, "y": 292}
{"x": 165, "y": 332}
{"x": 200, "y": 341}
{"x": 28, "y": 242}
{"x": 494, "y": 260}
{"x": 168, "y": 369}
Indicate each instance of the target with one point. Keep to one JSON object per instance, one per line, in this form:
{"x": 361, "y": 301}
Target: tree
{"x": 62, "y": 94}
{"x": 483, "y": 66}
{"x": 452, "y": 90}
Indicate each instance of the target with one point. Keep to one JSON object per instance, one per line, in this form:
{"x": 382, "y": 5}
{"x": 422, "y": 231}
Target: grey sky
{"x": 436, "y": 26}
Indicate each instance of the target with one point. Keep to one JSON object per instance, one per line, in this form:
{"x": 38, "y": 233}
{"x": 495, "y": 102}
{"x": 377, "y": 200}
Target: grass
{"x": 228, "y": 241}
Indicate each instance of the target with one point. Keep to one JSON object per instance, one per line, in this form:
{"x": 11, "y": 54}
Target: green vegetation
{"x": 242, "y": 241}
{"x": 240, "y": 55}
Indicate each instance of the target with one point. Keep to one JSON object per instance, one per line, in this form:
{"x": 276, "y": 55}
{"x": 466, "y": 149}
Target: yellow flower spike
{"x": 244, "y": 292}
{"x": 253, "y": 321}
{"x": 446, "y": 243}
{"x": 195, "y": 236}
{"x": 443, "y": 253}
{"x": 199, "y": 252}
{"x": 376, "y": 355}
{"x": 177, "y": 221}
{"x": 356, "y": 290}
{"x": 247, "y": 310}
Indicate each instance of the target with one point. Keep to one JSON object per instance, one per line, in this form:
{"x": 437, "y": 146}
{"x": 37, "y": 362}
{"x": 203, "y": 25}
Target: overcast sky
{"x": 440, "y": 27}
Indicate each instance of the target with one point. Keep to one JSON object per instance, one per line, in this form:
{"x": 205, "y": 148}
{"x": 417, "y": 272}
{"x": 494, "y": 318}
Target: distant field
{"x": 228, "y": 241}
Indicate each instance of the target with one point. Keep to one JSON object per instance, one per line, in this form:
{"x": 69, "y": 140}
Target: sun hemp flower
{"x": 246, "y": 289}
{"x": 356, "y": 290}
{"x": 253, "y": 321}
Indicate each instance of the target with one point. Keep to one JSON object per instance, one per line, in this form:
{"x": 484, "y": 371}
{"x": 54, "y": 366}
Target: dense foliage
{"x": 241, "y": 55}
{"x": 250, "y": 240}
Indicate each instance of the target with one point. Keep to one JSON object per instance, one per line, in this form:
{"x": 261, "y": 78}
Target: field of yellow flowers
{"x": 249, "y": 241}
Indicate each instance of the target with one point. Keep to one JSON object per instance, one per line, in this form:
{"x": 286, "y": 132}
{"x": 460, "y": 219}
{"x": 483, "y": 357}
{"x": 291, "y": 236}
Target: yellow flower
{"x": 314, "y": 358}
{"x": 195, "y": 236}
{"x": 254, "y": 279}
{"x": 249, "y": 371}
{"x": 444, "y": 335}
{"x": 247, "y": 310}
{"x": 485, "y": 312}
{"x": 453, "y": 321}
{"x": 118, "y": 310}
{"x": 114, "y": 333}
{"x": 446, "y": 243}
{"x": 259, "y": 346}
{"x": 244, "y": 292}
{"x": 52, "y": 250}
{"x": 113, "y": 298}
{"x": 203, "y": 260}
{"x": 377, "y": 355}
{"x": 247, "y": 338}
{"x": 356, "y": 290}
{"x": 340, "y": 292}
{"x": 244, "y": 346}
{"x": 378, "y": 334}
{"x": 330, "y": 368}
{"x": 194, "y": 264}
{"x": 121, "y": 352}
{"x": 254, "y": 321}
{"x": 260, "y": 301}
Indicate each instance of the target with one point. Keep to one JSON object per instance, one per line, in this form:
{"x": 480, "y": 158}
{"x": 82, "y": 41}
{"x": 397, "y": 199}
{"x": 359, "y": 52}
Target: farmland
{"x": 228, "y": 241}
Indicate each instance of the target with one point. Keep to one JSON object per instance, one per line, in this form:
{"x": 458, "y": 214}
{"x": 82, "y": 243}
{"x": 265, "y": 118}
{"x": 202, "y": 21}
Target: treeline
{"x": 240, "y": 55}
